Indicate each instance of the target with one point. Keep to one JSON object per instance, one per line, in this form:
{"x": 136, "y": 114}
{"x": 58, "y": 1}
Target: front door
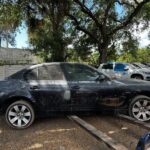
{"x": 90, "y": 89}
{"x": 83, "y": 85}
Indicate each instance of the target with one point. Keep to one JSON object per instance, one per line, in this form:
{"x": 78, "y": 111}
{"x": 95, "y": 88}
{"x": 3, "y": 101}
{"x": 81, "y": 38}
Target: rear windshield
{"x": 17, "y": 75}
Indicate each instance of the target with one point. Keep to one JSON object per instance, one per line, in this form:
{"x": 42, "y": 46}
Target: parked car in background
{"x": 147, "y": 64}
{"x": 125, "y": 71}
{"x": 69, "y": 87}
{"x": 141, "y": 65}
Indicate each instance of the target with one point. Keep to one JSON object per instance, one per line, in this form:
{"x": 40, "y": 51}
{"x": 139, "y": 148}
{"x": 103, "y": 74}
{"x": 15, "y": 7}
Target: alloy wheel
{"x": 141, "y": 110}
{"x": 19, "y": 115}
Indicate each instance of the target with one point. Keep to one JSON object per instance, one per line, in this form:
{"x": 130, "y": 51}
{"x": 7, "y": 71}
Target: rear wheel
{"x": 140, "y": 108}
{"x": 20, "y": 115}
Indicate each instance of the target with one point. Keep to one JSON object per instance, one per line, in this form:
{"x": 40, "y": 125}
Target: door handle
{"x": 34, "y": 87}
{"x": 76, "y": 87}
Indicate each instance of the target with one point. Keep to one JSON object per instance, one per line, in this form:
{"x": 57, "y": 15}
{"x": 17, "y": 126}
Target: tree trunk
{"x": 0, "y": 42}
{"x": 103, "y": 54}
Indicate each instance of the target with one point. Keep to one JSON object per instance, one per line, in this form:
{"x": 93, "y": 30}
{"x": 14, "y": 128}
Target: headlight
{"x": 146, "y": 72}
{"x": 119, "y": 75}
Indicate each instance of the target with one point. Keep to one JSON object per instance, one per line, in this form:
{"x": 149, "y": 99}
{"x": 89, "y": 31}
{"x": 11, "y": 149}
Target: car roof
{"x": 56, "y": 63}
{"x": 116, "y": 63}
{"x": 21, "y": 72}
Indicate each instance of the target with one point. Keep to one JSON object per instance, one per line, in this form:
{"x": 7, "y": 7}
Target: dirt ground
{"x": 57, "y": 133}
{"x": 125, "y": 133}
{"x": 60, "y": 133}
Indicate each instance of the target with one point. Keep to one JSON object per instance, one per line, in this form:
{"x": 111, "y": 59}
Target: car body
{"x": 147, "y": 64}
{"x": 125, "y": 71}
{"x": 141, "y": 66}
{"x": 68, "y": 87}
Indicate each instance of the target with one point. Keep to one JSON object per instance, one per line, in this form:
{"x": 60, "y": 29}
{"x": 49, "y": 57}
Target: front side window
{"x": 120, "y": 67}
{"x": 50, "y": 72}
{"x": 77, "y": 72}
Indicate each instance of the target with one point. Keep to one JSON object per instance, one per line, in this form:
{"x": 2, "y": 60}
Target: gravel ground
{"x": 122, "y": 131}
{"x": 60, "y": 133}
{"x": 57, "y": 133}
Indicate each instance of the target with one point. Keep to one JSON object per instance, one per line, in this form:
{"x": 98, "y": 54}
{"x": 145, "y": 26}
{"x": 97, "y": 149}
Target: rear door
{"x": 49, "y": 87}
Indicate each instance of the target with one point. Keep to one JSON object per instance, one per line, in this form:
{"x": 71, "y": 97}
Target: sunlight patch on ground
{"x": 111, "y": 132}
{"x": 124, "y": 128}
{"x": 56, "y": 130}
{"x": 52, "y": 141}
{"x": 36, "y": 146}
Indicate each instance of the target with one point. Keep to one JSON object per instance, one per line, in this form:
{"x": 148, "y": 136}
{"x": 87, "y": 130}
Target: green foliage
{"x": 10, "y": 19}
{"x": 74, "y": 56}
{"x": 140, "y": 55}
{"x": 100, "y": 23}
{"x": 48, "y": 44}
{"x": 46, "y": 33}
{"x": 94, "y": 27}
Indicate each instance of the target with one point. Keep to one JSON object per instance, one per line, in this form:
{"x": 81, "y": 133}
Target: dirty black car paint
{"x": 52, "y": 87}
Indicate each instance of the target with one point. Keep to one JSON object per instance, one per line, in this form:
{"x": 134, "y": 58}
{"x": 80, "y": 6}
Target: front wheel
{"x": 137, "y": 77}
{"x": 20, "y": 115}
{"x": 139, "y": 108}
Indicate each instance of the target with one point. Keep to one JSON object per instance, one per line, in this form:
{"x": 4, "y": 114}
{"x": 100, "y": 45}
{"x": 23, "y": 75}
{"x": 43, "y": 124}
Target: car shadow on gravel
{"x": 47, "y": 133}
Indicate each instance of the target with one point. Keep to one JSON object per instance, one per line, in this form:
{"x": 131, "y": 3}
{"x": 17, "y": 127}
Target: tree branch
{"x": 115, "y": 19}
{"x": 130, "y": 18}
{"x": 124, "y": 3}
{"x": 136, "y": 2}
{"x": 89, "y": 13}
{"x": 78, "y": 27}
{"x": 107, "y": 11}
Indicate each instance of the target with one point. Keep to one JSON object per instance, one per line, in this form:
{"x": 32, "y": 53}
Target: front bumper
{"x": 147, "y": 78}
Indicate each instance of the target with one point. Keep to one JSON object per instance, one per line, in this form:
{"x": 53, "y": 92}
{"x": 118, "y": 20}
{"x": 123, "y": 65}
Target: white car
{"x": 140, "y": 65}
{"x": 124, "y": 71}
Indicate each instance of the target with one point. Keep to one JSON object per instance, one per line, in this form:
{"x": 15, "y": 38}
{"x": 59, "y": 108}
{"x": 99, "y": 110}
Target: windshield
{"x": 139, "y": 65}
{"x": 132, "y": 66}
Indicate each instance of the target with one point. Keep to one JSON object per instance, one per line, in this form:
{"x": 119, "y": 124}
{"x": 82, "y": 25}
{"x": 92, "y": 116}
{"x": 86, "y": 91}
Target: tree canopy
{"x": 92, "y": 27}
{"x": 101, "y": 23}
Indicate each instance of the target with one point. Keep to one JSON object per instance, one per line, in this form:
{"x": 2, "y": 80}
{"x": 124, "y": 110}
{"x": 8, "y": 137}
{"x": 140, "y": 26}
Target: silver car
{"x": 125, "y": 71}
{"x": 141, "y": 65}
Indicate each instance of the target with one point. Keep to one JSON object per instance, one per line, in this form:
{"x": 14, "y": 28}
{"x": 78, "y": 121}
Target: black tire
{"x": 133, "y": 107}
{"x": 138, "y": 77}
{"x": 28, "y": 111}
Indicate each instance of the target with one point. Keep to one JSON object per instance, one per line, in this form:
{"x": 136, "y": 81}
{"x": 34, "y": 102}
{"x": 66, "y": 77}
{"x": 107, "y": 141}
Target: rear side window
{"x": 51, "y": 72}
{"x": 107, "y": 66}
{"x": 120, "y": 67}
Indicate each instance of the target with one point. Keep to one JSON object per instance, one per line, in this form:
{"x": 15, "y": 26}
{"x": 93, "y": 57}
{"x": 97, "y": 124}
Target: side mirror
{"x": 126, "y": 68}
{"x": 101, "y": 78}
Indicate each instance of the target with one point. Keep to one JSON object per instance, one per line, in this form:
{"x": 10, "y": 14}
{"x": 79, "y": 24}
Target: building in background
{"x": 13, "y": 60}
{"x": 14, "y": 56}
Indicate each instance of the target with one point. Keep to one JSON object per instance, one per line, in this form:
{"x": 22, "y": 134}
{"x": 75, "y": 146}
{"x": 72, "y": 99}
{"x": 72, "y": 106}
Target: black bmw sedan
{"x": 69, "y": 87}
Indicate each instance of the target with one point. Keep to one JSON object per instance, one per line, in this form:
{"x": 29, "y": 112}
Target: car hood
{"x": 132, "y": 82}
{"x": 144, "y": 70}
